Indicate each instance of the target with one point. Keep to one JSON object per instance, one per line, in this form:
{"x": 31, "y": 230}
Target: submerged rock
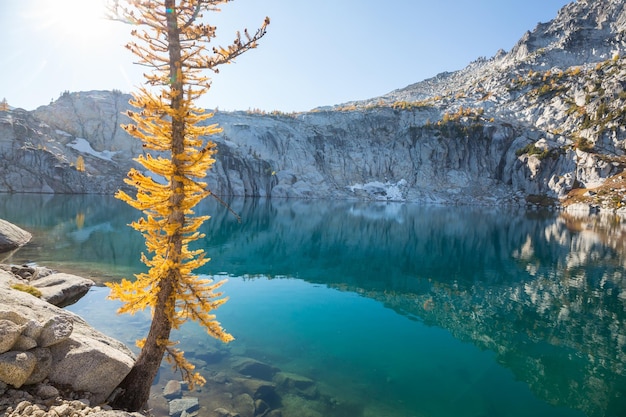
{"x": 172, "y": 390}
{"x": 297, "y": 384}
{"x": 187, "y": 406}
{"x": 253, "y": 368}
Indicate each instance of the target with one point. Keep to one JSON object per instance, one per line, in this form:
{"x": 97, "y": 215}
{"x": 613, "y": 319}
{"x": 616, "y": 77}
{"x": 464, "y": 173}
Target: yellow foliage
{"x": 80, "y": 220}
{"x": 80, "y": 164}
{"x": 168, "y": 122}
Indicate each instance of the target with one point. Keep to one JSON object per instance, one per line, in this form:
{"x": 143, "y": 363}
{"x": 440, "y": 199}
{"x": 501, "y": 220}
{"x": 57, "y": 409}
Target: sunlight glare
{"x": 74, "y": 22}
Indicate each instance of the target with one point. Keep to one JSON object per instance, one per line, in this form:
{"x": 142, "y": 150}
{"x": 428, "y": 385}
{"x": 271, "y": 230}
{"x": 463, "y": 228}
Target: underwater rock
{"x": 261, "y": 408}
{"x": 244, "y": 404}
{"x": 297, "y": 384}
{"x": 259, "y": 390}
{"x": 172, "y": 390}
{"x": 253, "y": 368}
{"x": 222, "y": 412}
{"x": 211, "y": 354}
{"x": 187, "y": 406}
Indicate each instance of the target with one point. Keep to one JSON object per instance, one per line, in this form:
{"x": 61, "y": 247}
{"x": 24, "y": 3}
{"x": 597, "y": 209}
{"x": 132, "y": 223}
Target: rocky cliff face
{"x": 545, "y": 119}
{"x": 41, "y": 158}
{"x": 380, "y": 153}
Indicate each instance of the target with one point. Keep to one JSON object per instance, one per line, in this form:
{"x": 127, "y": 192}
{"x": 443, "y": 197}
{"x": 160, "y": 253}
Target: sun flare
{"x": 74, "y": 22}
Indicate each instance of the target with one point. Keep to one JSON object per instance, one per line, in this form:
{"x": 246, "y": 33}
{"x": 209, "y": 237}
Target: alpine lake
{"x": 391, "y": 309}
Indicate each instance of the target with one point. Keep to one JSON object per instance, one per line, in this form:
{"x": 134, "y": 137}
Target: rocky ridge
{"x": 541, "y": 121}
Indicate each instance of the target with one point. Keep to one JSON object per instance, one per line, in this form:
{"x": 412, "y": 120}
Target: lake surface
{"x": 392, "y": 309}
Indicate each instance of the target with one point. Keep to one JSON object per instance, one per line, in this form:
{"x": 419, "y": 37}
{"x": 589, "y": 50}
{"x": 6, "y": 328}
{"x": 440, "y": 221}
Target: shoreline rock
{"x": 53, "y": 346}
{"x": 46, "y": 400}
{"x": 12, "y": 237}
{"x": 57, "y": 288}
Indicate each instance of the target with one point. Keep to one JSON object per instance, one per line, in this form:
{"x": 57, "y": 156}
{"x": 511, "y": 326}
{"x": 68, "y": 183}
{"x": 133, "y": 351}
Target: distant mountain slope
{"x": 583, "y": 33}
{"x": 543, "y": 121}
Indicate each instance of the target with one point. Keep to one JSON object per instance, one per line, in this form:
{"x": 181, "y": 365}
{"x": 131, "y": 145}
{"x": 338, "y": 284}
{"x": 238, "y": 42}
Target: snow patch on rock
{"x": 381, "y": 191}
{"x": 82, "y": 146}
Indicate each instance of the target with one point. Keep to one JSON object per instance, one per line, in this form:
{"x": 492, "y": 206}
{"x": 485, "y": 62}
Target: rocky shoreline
{"x": 45, "y": 400}
{"x": 54, "y": 364}
{"x": 238, "y": 385}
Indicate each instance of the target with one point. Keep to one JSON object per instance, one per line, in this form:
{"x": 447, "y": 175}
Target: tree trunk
{"x": 136, "y": 385}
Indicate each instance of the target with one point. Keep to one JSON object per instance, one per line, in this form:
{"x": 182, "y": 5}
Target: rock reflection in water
{"x": 544, "y": 293}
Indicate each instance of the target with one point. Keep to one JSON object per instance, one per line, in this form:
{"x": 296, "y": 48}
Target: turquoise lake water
{"x": 393, "y": 309}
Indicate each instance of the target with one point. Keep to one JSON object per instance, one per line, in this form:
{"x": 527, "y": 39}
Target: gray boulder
{"x": 46, "y": 391}
{"x": 56, "y": 330}
{"x": 42, "y": 367}
{"x": 9, "y": 334}
{"x": 257, "y": 388}
{"x": 24, "y": 343}
{"x": 62, "y": 289}
{"x": 89, "y": 363}
{"x": 57, "y": 288}
{"x": 244, "y": 404}
{"x": 12, "y": 237}
{"x": 185, "y": 405}
{"x": 253, "y": 368}
{"x": 172, "y": 390}
{"x": 68, "y": 352}
{"x": 298, "y": 384}
{"x": 16, "y": 367}
{"x": 222, "y": 412}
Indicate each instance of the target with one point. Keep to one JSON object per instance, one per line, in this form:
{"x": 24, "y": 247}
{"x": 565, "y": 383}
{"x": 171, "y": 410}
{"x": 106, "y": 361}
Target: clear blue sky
{"x": 316, "y": 53}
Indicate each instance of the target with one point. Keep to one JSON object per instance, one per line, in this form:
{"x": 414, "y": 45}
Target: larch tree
{"x": 173, "y": 41}
{"x": 80, "y": 163}
{"x": 4, "y": 105}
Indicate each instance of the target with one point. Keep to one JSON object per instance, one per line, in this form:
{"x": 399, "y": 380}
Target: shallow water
{"x": 392, "y": 309}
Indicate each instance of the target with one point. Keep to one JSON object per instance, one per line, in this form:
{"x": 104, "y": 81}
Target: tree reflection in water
{"x": 546, "y": 292}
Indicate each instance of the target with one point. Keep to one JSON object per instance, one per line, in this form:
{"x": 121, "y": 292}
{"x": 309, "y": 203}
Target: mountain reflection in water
{"x": 544, "y": 292}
